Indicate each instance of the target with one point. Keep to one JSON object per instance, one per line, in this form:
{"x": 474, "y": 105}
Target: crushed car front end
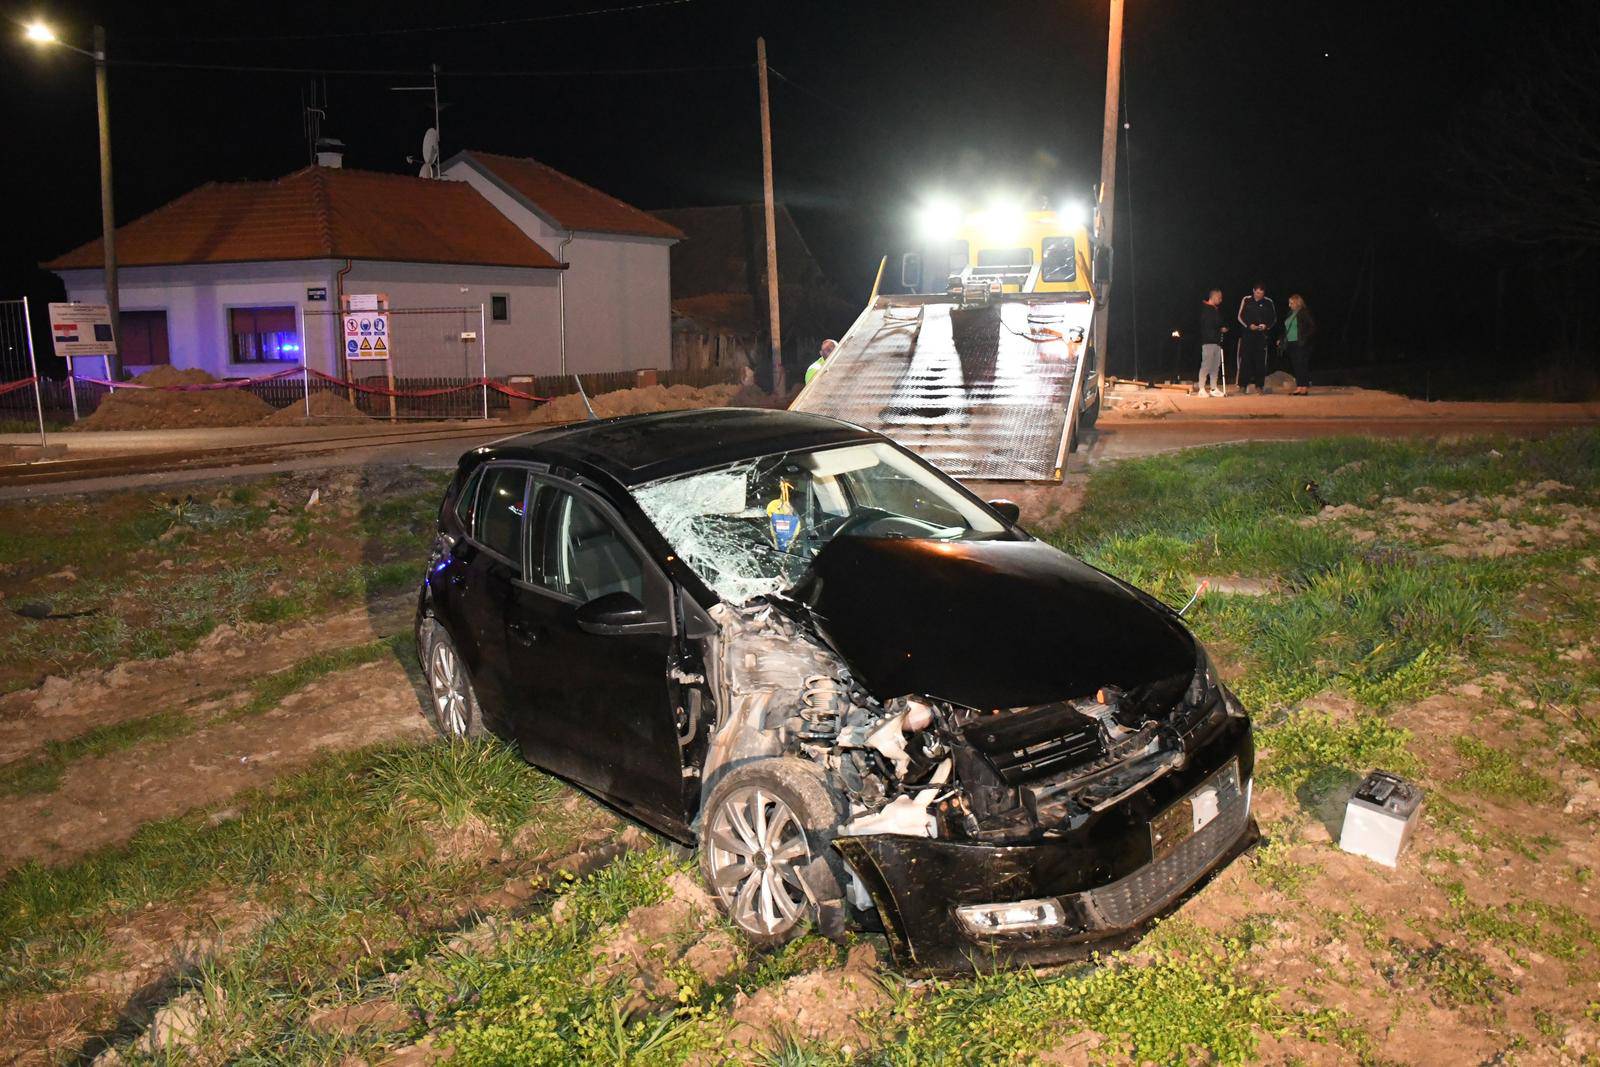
{"x": 972, "y": 902}
{"x": 1024, "y": 754}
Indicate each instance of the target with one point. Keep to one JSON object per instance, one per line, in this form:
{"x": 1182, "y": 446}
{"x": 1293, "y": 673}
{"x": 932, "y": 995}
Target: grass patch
{"x": 1312, "y": 751}
{"x": 1496, "y": 773}
{"x": 344, "y": 818}
{"x": 534, "y": 1000}
{"x": 1458, "y": 977}
{"x": 1190, "y": 1000}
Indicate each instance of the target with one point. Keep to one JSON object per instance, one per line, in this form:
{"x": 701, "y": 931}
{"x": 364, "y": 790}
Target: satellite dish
{"x": 430, "y": 154}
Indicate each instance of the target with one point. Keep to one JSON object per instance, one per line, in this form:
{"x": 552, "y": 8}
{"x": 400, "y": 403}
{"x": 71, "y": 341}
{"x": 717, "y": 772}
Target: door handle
{"x": 524, "y": 634}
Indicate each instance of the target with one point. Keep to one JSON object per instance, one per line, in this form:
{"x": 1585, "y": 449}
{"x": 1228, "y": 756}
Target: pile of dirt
{"x": 640, "y": 401}
{"x": 327, "y": 408}
{"x": 158, "y": 409}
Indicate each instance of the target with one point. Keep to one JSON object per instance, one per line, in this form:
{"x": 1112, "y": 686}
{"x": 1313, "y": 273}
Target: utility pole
{"x": 772, "y": 220}
{"x": 1105, "y": 210}
{"x": 108, "y": 222}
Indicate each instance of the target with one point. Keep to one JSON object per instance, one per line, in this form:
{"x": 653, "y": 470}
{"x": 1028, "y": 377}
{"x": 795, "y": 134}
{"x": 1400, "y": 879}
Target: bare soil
{"x": 158, "y": 409}
{"x": 639, "y": 401}
{"x": 199, "y": 681}
{"x": 326, "y": 408}
{"x": 104, "y": 800}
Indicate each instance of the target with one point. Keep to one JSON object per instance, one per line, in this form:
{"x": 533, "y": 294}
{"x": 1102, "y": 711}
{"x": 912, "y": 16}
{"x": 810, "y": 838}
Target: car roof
{"x": 635, "y": 449}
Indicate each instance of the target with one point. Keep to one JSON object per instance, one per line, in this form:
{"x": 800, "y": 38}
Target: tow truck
{"x": 981, "y": 359}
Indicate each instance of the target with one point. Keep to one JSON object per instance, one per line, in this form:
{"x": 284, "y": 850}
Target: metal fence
{"x": 21, "y": 409}
{"x": 434, "y": 352}
{"x": 437, "y": 372}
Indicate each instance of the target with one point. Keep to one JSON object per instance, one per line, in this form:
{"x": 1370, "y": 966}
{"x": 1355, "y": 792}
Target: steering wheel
{"x": 876, "y": 522}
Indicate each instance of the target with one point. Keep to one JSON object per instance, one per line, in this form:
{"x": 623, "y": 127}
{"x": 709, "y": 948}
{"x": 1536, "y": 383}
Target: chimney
{"x": 330, "y": 152}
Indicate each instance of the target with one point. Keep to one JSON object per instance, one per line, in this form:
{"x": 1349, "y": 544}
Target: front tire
{"x": 453, "y": 704}
{"x": 766, "y": 850}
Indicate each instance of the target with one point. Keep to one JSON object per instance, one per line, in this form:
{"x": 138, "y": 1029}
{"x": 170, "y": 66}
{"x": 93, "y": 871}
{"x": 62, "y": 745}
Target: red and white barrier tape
{"x": 242, "y": 383}
{"x": 23, "y": 383}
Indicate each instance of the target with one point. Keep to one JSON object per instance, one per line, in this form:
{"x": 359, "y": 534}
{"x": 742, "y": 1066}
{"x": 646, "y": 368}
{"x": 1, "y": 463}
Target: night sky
{"x": 1295, "y": 142}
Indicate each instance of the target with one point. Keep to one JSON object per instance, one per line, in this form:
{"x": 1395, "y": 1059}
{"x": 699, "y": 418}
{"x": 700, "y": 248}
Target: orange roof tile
{"x": 571, "y": 204}
{"x": 321, "y": 213}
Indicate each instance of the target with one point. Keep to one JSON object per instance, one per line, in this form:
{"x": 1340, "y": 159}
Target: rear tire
{"x": 453, "y": 706}
{"x": 766, "y": 850}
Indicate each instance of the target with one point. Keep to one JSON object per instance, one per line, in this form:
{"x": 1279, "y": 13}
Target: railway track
{"x": 106, "y": 465}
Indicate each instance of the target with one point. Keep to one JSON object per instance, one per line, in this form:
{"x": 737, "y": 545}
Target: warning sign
{"x": 366, "y": 335}
{"x": 82, "y": 330}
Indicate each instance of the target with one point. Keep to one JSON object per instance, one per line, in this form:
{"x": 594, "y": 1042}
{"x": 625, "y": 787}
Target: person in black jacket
{"x": 1211, "y": 331}
{"x": 1299, "y": 329}
{"x": 1258, "y": 315}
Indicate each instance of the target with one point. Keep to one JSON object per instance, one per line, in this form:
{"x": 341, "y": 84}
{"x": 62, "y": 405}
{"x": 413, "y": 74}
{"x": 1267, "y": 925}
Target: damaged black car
{"x": 867, "y": 696}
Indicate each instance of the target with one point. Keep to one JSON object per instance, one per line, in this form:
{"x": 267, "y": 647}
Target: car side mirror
{"x": 1007, "y": 510}
{"x": 617, "y": 613}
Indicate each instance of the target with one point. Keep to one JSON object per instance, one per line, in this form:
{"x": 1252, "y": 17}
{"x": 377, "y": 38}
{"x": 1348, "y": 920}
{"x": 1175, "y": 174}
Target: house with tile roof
{"x": 245, "y": 278}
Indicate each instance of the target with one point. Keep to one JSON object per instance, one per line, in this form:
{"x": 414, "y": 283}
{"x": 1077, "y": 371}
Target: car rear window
{"x": 466, "y": 497}
{"x": 499, "y": 511}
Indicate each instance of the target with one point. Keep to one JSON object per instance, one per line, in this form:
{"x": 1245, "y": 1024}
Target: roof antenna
{"x": 585, "y": 396}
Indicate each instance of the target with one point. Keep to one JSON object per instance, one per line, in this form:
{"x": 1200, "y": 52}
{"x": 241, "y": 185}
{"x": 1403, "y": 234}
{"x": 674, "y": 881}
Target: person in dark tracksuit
{"x": 1299, "y": 329}
{"x": 1258, "y": 315}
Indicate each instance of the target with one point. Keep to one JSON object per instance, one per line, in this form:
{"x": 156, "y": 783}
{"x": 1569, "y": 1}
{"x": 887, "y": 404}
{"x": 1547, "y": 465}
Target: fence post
{"x": 305, "y": 383}
{"x": 33, "y": 368}
{"x": 483, "y": 357}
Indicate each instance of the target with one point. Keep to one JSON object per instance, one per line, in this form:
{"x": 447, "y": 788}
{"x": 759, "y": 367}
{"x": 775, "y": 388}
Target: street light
{"x": 42, "y": 34}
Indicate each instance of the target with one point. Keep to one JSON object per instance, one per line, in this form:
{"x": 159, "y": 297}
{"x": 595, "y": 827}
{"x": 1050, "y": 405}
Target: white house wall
{"x": 619, "y": 303}
{"x": 429, "y": 345}
{"x": 197, "y": 298}
{"x": 619, "y": 288}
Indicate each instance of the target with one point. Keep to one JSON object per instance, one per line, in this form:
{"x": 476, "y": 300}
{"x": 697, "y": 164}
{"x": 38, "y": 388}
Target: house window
{"x": 263, "y": 335}
{"x": 500, "y": 307}
{"x": 144, "y": 338}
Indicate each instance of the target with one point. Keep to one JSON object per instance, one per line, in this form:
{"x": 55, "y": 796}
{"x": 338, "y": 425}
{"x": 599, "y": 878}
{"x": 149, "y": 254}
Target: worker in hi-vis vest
{"x": 823, "y": 353}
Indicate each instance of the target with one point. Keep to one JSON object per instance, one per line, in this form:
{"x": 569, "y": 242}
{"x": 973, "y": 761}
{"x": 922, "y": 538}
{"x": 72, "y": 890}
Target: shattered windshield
{"x": 752, "y": 527}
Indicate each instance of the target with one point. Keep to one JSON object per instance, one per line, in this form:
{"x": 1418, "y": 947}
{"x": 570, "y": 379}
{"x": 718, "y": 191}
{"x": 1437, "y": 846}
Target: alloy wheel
{"x": 757, "y": 849}
{"x": 449, "y": 685}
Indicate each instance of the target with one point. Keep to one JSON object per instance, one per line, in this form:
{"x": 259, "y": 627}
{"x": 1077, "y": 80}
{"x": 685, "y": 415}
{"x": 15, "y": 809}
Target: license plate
{"x": 1194, "y": 812}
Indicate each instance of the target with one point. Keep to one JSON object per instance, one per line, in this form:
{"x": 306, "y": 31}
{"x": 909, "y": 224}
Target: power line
{"x": 400, "y": 31}
{"x": 401, "y": 72}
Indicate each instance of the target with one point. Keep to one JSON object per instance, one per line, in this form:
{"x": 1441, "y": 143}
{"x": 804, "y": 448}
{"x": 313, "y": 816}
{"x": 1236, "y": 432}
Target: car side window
{"x": 583, "y": 555}
{"x": 499, "y": 511}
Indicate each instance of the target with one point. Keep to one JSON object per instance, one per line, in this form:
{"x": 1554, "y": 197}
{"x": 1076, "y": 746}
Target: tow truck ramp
{"x": 983, "y": 390}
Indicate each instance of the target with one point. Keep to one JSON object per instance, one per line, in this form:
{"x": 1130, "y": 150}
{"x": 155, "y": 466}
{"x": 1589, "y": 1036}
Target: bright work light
{"x": 939, "y": 220}
{"x": 1002, "y": 223}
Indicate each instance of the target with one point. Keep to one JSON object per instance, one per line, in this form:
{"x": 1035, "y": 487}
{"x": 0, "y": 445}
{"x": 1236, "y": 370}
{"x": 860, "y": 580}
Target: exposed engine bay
{"x": 922, "y": 766}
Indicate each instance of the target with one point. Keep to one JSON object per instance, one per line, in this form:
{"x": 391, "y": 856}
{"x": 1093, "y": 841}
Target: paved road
{"x": 212, "y": 454}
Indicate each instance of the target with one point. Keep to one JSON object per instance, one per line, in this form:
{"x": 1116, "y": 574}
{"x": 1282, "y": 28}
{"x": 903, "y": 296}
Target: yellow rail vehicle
{"x": 1014, "y": 251}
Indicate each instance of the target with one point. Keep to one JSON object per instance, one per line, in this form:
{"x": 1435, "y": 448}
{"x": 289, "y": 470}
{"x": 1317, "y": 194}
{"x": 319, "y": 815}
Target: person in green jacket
{"x": 1298, "y": 330}
{"x": 823, "y": 353}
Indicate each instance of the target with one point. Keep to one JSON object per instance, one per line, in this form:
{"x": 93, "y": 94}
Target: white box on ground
{"x": 1380, "y": 817}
